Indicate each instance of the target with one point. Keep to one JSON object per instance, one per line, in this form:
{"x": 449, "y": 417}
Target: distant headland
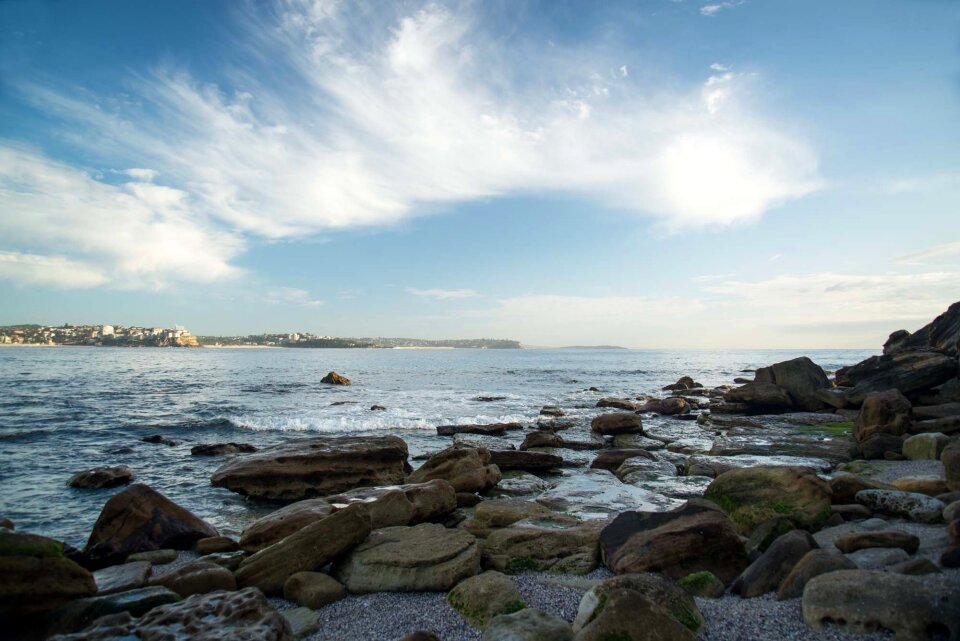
{"x": 179, "y": 336}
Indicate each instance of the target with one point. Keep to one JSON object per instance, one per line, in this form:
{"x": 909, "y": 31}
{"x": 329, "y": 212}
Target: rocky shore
{"x": 796, "y": 504}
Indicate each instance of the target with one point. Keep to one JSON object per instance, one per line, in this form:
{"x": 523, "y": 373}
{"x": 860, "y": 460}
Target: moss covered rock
{"x": 481, "y": 598}
{"x": 703, "y": 584}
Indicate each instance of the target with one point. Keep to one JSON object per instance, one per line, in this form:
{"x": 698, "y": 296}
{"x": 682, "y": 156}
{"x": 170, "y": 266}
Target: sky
{"x": 644, "y": 173}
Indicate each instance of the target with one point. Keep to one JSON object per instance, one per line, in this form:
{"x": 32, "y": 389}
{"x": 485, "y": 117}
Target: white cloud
{"x": 935, "y": 182}
{"x": 56, "y": 271}
{"x": 706, "y": 278}
{"x": 442, "y": 294}
{"x": 713, "y": 9}
{"x": 291, "y": 296}
{"x": 344, "y": 127}
{"x": 937, "y": 251}
{"x": 136, "y": 234}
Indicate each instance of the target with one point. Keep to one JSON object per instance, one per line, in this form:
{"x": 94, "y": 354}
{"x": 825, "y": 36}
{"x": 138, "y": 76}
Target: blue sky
{"x": 657, "y": 173}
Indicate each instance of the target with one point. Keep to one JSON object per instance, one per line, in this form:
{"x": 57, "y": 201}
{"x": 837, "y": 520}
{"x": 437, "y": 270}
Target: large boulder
{"x": 772, "y": 567}
{"x": 667, "y": 595}
{"x": 480, "y": 598}
{"x": 695, "y": 537}
{"x": 925, "y": 446}
{"x": 761, "y": 396}
{"x": 36, "y": 576}
{"x": 570, "y": 550}
{"x": 907, "y": 505}
{"x": 402, "y": 504}
{"x": 419, "y": 558}
{"x": 239, "y": 616}
{"x": 864, "y": 600}
{"x": 309, "y": 549}
{"x": 613, "y": 424}
{"x": 910, "y": 372}
{"x": 814, "y": 563}
{"x": 306, "y": 468}
{"x": 753, "y": 495}
{"x": 281, "y": 523}
{"x": 800, "y": 378}
{"x": 140, "y": 519}
{"x": 886, "y": 412}
{"x": 466, "y": 469}
{"x": 101, "y": 477}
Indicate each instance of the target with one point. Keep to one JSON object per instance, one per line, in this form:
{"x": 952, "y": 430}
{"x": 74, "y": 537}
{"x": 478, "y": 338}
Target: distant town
{"x": 135, "y": 336}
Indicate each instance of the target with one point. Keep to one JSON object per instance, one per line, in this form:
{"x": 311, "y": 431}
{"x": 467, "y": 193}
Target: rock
{"x": 765, "y": 534}
{"x": 760, "y": 396}
{"x": 238, "y": 616}
{"x": 914, "y": 567}
{"x": 638, "y": 469}
{"x": 528, "y": 625}
{"x": 619, "y": 403}
{"x": 912, "y": 607}
{"x": 570, "y": 550}
{"x": 908, "y": 372}
{"x": 943, "y": 333}
{"x": 610, "y": 460}
{"x": 36, "y": 576}
{"x": 876, "y": 558}
{"x": 627, "y": 614}
{"x": 929, "y": 485}
{"x": 519, "y": 484}
{"x": 480, "y": 598}
{"x": 313, "y": 589}
{"x": 949, "y": 425}
{"x": 425, "y": 557}
{"x": 215, "y": 544}
{"x": 886, "y": 412}
{"x": 950, "y": 457}
{"x": 881, "y": 446}
{"x": 277, "y": 525}
{"x": 667, "y": 406}
{"x": 7, "y": 523}
{"x": 813, "y": 563}
{"x": 229, "y": 560}
{"x": 508, "y": 460}
{"x": 466, "y": 469}
{"x": 159, "y": 439}
{"x": 767, "y": 572}
{"x": 636, "y": 442}
{"x": 302, "y": 621}
{"x": 154, "y": 557}
{"x": 421, "y": 635}
{"x": 613, "y": 424}
{"x": 489, "y": 399}
{"x": 402, "y": 504}
{"x": 695, "y": 537}
{"x": 198, "y": 577}
{"x": 101, "y": 477}
{"x": 308, "y": 549}
{"x": 915, "y": 507}
{"x": 493, "y": 429}
{"x": 305, "y": 468}
{"x": 753, "y": 495}
{"x": 852, "y": 511}
{"x": 951, "y": 512}
{"x": 335, "y": 379}
{"x": 666, "y": 595}
{"x": 556, "y": 424}
{"x": 551, "y": 410}
{"x": 80, "y": 613}
{"x": 845, "y": 486}
{"x": 498, "y": 513}
{"x": 377, "y": 408}
{"x": 948, "y": 392}
{"x": 683, "y": 383}
{"x": 541, "y": 438}
{"x": 221, "y": 449}
{"x": 140, "y": 519}
{"x": 800, "y": 378}
{"x": 595, "y": 494}
{"x": 703, "y": 584}
{"x": 120, "y": 578}
{"x": 941, "y": 410}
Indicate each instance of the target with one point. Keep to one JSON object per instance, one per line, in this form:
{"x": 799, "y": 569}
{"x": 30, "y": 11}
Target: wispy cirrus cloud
{"x": 291, "y": 296}
{"x": 937, "y": 251}
{"x": 714, "y": 9}
{"x": 442, "y": 294}
{"x": 322, "y": 126}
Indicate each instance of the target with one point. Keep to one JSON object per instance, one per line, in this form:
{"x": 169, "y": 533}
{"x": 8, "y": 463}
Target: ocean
{"x": 67, "y": 409}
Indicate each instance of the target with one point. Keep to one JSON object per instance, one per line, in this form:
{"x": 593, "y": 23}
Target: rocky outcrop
{"x": 101, "y": 477}
{"x": 695, "y": 537}
{"x": 491, "y": 429}
{"x": 334, "y": 378}
{"x": 613, "y": 424}
{"x": 239, "y": 616}
{"x": 943, "y": 333}
{"x": 909, "y": 372}
{"x": 221, "y": 449}
{"x": 666, "y": 595}
{"x": 140, "y": 519}
{"x": 772, "y": 567}
{"x": 753, "y": 495}
{"x": 280, "y": 524}
{"x": 309, "y": 549}
{"x": 480, "y": 598}
{"x": 570, "y": 550}
{"x": 425, "y": 557}
{"x": 36, "y": 576}
{"x": 800, "y": 378}
{"x": 865, "y": 600}
{"x": 466, "y": 469}
{"x": 305, "y": 468}
{"x": 886, "y": 412}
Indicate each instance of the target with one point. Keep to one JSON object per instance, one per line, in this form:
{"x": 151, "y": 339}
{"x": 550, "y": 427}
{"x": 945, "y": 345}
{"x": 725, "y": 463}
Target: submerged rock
{"x": 305, "y": 468}
{"x": 101, "y": 477}
{"x": 334, "y": 378}
{"x": 613, "y": 424}
{"x": 491, "y": 429}
{"x": 221, "y": 449}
